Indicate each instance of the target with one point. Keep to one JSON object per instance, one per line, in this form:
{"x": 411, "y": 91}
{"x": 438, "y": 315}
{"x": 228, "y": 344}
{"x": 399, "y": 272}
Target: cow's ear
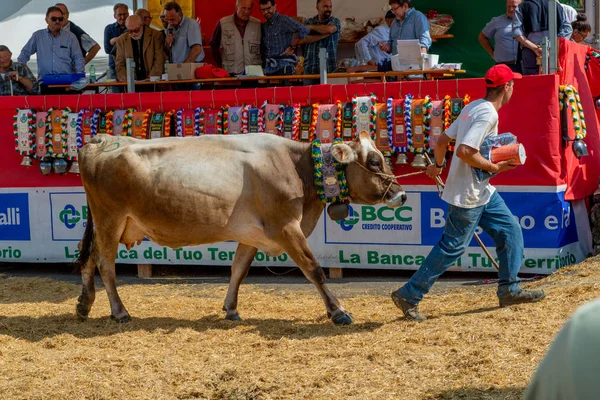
{"x": 343, "y": 153}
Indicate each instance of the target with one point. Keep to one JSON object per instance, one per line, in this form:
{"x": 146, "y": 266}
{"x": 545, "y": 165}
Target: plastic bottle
{"x": 92, "y": 73}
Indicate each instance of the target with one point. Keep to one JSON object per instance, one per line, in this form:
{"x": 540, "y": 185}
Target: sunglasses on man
{"x": 59, "y": 19}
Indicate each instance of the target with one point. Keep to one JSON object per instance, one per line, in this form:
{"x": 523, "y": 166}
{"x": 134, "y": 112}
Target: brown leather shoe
{"x": 524, "y": 296}
{"x": 411, "y": 311}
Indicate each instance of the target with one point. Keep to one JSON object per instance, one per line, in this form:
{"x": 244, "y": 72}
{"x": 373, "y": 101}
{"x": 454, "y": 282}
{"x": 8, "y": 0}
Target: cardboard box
{"x": 178, "y": 72}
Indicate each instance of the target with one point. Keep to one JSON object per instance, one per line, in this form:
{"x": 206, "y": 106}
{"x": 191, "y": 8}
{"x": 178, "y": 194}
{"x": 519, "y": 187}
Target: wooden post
{"x": 144, "y": 270}
{"x": 336, "y": 273}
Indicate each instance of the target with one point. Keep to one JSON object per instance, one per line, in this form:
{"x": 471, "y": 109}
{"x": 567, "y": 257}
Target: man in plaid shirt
{"x": 278, "y": 40}
{"x": 15, "y": 74}
{"x": 325, "y": 33}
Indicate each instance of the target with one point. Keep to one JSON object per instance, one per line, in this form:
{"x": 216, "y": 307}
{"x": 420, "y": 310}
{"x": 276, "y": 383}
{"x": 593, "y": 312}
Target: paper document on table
{"x": 253, "y": 70}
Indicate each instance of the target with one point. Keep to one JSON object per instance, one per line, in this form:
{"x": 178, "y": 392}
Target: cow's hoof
{"x": 82, "y": 312}
{"x": 122, "y": 319}
{"x": 233, "y": 317}
{"x": 343, "y": 318}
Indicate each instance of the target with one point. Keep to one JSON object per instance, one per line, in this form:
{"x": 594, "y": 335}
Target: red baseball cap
{"x": 500, "y": 74}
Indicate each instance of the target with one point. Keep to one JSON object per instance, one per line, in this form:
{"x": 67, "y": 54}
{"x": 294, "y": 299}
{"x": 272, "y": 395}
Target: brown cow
{"x": 257, "y": 190}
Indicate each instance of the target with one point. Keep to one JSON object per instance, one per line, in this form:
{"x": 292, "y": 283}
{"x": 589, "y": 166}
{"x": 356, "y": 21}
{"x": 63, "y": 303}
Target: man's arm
{"x": 194, "y": 38}
{"x": 76, "y": 55}
{"x": 27, "y": 75}
{"x": 485, "y": 43}
{"x": 323, "y": 29}
{"x": 158, "y": 66}
{"x": 308, "y": 39}
{"x": 107, "y": 45}
{"x": 439, "y": 155}
{"x": 195, "y": 51}
{"x": 28, "y": 50}
{"x": 120, "y": 63}
{"x": 92, "y": 53}
{"x": 474, "y": 158}
{"x": 422, "y": 30}
{"x": 215, "y": 45}
{"x": 566, "y": 29}
{"x": 362, "y": 47}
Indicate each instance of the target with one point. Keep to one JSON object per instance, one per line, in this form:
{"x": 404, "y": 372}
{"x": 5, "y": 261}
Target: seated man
{"x": 409, "y": 24}
{"x": 57, "y": 50}
{"x": 278, "y": 40}
{"x": 368, "y": 50}
{"x": 144, "y": 45}
{"x": 14, "y": 74}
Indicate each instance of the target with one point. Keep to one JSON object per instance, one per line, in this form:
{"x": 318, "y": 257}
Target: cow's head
{"x": 370, "y": 179}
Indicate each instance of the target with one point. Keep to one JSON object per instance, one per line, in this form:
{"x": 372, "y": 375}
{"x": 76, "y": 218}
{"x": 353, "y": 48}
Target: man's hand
{"x": 432, "y": 171}
{"x": 331, "y": 29}
{"x": 371, "y": 62}
{"x": 13, "y": 75}
{"x": 169, "y": 40}
{"x": 289, "y": 51}
{"x": 113, "y": 41}
{"x": 504, "y": 165}
{"x": 385, "y": 47}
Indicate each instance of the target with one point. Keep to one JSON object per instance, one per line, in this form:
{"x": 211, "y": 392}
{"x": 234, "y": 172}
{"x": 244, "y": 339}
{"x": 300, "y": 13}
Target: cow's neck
{"x": 301, "y": 154}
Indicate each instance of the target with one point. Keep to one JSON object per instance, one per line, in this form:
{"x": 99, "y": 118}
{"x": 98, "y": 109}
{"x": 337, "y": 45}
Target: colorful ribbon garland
{"x": 318, "y": 176}
{"x": 24, "y": 131}
{"x": 51, "y": 143}
{"x": 569, "y": 97}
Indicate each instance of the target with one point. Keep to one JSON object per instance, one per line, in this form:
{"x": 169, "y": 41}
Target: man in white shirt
{"x": 368, "y": 49}
{"x": 473, "y": 203}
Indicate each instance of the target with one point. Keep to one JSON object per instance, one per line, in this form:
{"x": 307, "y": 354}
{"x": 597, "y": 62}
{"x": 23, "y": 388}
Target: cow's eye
{"x": 374, "y": 163}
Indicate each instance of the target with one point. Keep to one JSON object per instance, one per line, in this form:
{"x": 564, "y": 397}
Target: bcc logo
{"x": 370, "y": 214}
{"x": 70, "y": 216}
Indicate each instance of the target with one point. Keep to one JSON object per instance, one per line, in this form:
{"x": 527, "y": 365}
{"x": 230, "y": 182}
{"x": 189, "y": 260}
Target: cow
{"x": 255, "y": 189}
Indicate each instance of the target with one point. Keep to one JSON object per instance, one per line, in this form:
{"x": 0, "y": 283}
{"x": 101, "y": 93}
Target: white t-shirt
{"x": 477, "y": 121}
{"x": 570, "y": 12}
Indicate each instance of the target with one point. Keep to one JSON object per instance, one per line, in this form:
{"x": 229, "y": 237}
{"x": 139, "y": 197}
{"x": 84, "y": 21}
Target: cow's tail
{"x": 85, "y": 245}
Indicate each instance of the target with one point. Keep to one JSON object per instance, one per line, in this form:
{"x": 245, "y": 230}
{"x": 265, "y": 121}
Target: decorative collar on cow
{"x": 330, "y": 179}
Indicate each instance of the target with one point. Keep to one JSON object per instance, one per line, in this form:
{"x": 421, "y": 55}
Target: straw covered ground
{"x": 179, "y": 347}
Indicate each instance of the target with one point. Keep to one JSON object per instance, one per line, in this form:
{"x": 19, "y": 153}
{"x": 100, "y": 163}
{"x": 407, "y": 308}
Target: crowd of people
{"x": 240, "y": 40}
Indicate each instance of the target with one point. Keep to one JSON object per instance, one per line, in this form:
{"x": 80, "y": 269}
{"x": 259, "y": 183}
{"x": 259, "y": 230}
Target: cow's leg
{"x": 294, "y": 243}
{"x": 107, "y": 243}
{"x": 88, "y": 292}
{"x": 239, "y": 270}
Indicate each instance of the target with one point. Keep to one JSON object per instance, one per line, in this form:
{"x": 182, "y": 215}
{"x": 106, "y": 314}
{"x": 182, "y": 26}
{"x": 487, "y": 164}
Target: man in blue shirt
{"x": 368, "y": 50}
{"x": 111, "y": 33}
{"x": 57, "y": 50}
{"x": 278, "y": 40}
{"x": 329, "y": 27}
{"x": 183, "y": 39}
{"x": 501, "y": 28}
{"x": 409, "y": 24}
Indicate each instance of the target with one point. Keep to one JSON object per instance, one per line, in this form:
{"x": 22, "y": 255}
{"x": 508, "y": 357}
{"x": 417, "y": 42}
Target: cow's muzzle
{"x": 397, "y": 199}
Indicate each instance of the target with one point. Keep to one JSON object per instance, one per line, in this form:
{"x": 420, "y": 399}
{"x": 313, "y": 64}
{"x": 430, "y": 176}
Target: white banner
{"x": 45, "y": 225}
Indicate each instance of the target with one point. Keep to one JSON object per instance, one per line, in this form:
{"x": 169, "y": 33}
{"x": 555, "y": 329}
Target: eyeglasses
{"x": 135, "y": 30}
{"x": 395, "y": 9}
{"x": 583, "y": 35}
{"x": 162, "y": 17}
{"x": 59, "y": 19}
{"x": 264, "y": 10}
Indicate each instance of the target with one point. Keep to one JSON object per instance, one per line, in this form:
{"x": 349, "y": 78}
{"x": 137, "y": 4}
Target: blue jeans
{"x": 497, "y": 221}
